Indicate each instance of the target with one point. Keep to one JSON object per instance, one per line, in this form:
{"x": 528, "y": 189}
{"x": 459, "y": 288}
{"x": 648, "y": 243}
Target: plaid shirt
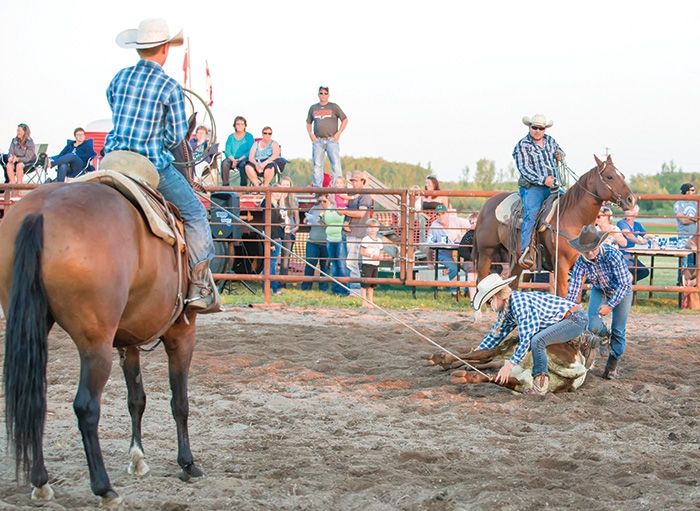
{"x": 608, "y": 272}
{"x": 148, "y": 111}
{"x": 534, "y": 162}
{"x": 529, "y": 312}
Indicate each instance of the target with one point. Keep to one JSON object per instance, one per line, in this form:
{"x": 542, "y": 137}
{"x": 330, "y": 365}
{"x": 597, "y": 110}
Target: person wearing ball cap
{"x": 541, "y": 319}
{"x": 605, "y": 269}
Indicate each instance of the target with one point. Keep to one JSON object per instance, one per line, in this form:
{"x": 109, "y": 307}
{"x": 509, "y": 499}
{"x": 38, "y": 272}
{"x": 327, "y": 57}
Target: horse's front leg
{"x": 179, "y": 344}
{"x": 95, "y": 367}
{"x": 562, "y": 281}
{"x": 130, "y": 361}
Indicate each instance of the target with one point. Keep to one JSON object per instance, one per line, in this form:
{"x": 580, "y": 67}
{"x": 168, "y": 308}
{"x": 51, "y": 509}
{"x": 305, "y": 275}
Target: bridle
{"x": 616, "y": 196}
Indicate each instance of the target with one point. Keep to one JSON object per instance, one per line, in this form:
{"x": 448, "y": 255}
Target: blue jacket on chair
{"x": 84, "y": 151}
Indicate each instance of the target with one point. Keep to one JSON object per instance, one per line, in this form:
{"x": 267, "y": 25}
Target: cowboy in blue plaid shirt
{"x": 536, "y": 157}
{"x": 541, "y": 319}
{"x": 148, "y": 112}
{"x": 604, "y": 267}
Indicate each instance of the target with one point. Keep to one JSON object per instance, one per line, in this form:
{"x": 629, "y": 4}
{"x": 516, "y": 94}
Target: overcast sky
{"x": 444, "y": 83}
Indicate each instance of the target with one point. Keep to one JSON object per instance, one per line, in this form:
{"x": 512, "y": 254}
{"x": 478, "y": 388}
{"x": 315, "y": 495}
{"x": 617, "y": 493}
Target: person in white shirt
{"x": 371, "y": 252}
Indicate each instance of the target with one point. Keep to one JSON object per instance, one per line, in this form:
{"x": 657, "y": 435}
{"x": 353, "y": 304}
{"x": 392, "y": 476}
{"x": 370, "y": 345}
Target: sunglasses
{"x": 323, "y": 94}
{"x": 267, "y": 133}
{"x": 537, "y": 128}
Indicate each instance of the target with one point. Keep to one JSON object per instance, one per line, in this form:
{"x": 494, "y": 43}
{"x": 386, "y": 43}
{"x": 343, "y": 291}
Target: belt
{"x": 573, "y": 309}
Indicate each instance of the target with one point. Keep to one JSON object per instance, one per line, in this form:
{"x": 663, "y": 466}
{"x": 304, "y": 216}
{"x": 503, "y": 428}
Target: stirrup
{"x": 202, "y": 294}
{"x": 526, "y": 260}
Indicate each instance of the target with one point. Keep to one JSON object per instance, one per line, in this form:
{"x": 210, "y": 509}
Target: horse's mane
{"x": 575, "y": 195}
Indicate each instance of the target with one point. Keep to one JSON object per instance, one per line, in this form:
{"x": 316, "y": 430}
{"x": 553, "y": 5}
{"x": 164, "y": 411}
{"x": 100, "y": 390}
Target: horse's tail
{"x": 26, "y": 347}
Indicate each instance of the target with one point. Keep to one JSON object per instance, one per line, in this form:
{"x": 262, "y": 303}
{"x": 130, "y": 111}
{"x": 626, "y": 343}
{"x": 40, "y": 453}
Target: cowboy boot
{"x": 540, "y": 384}
{"x": 202, "y": 295}
{"x": 610, "y": 372}
{"x": 528, "y": 259}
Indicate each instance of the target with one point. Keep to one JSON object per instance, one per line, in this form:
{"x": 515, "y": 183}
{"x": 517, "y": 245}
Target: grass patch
{"x": 400, "y": 298}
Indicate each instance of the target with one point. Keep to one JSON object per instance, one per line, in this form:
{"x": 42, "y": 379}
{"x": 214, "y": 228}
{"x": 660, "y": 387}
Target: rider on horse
{"x": 148, "y": 111}
{"x": 536, "y": 157}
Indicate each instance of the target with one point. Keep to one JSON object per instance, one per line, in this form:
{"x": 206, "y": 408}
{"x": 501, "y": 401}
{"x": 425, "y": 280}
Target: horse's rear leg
{"x": 95, "y": 366}
{"x": 130, "y": 361}
{"x": 179, "y": 344}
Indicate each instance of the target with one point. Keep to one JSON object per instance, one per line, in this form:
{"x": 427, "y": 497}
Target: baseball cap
{"x": 440, "y": 208}
{"x": 323, "y": 87}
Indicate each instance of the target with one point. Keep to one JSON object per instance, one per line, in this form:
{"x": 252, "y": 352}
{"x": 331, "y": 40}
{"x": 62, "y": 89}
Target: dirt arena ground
{"x": 333, "y": 409}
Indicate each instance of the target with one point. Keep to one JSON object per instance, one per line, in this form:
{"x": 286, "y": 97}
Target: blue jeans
{"x": 177, "y": 190}
{"x": 559, "y": 332}
{"x": 532, "y": 198}
{"x": 445, "y": 257}
{"x": 275, "y": 249}
{"x": 68, "y": 165}
{"x": 338, "y": 269}
{"x": 321, "y": 147}
{"x": 316, "y": 255}
{"x": 641, "y": 270}
{"x": 352, "y": 259}
{"x": 619, "y": 320}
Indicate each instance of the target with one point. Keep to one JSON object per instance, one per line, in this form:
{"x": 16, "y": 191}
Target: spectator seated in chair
{"x": 635, "y": 234}
{"x": 264, "y": 161}
{"x": 21, "y": 155}
{"x": 203, "y": 151}
{"x": 236, "y": 152}
{"x": 75, "y": 158}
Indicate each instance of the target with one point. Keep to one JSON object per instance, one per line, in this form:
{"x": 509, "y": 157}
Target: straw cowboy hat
{"x": 538, "y": 120}
{"x": 151, "y": 33}
{"x": 588, "y": 239}
{"x": 488, "y": 287}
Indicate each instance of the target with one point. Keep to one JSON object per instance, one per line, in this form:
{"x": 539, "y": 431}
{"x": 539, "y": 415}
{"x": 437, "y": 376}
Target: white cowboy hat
{"x": 488, "y": 287}
{"x": 151, "y": 33}
{"x": 538, "y": 120}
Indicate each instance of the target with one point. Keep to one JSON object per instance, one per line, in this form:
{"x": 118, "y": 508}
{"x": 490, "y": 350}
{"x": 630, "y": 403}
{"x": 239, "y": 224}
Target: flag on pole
{"x": 186, "y": 64}
{"x": 209, "y": 90}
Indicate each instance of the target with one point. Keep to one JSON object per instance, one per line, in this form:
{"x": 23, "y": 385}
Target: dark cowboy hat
{"x": 588, "y": 239}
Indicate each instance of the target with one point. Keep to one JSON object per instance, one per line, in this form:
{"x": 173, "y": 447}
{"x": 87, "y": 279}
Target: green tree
{"x": 485, "y": 174}
{"x": 464, "y": 178}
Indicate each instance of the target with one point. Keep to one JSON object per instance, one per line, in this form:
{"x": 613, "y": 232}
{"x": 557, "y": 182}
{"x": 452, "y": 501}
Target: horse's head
{"x": 608, "y": 184}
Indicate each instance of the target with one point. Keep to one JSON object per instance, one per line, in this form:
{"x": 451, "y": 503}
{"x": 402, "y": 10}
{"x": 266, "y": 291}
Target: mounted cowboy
{"x": 536, "y": 157}
{"x": 148, "y": 112}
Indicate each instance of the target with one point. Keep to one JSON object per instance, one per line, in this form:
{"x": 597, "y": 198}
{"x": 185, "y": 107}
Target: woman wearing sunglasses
{"x": 263, "y": 159}
{"x": 604, "y": 224}
{"x": 541, "y": 319}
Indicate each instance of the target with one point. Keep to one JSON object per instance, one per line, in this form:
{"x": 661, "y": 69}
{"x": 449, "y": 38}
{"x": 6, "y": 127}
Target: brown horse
{"x": 579, "y": 206}
{"x": 81, "y": 256}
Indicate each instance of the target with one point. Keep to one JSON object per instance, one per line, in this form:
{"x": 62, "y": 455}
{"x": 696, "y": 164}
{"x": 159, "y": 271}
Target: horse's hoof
{"x": 110, "y": 499}
{"x": 137, "y": 466}
{"x": 190, "y": 470}
{"x": 43, "y": 493}
{"x": 140, "y": 468}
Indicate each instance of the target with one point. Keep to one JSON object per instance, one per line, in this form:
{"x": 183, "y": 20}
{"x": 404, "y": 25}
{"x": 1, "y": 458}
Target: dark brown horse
{"x": 579, "y": 206}
{"x": 81, "y": 256}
